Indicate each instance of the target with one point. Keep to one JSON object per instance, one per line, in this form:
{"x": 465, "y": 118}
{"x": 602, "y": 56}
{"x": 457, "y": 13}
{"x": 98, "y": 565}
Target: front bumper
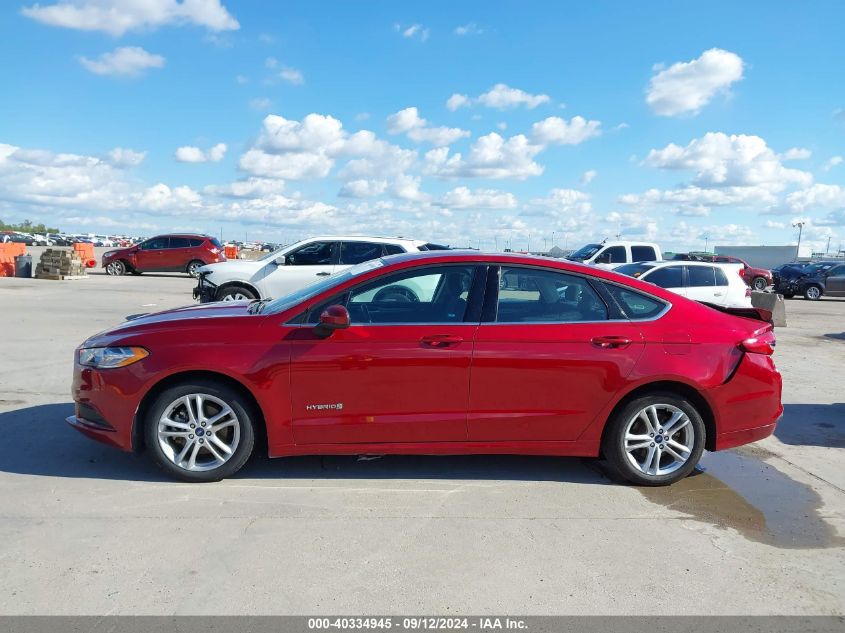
{"x": 205, "y": 291}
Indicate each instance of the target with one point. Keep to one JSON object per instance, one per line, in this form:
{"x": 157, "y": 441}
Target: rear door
{"x": 835, "y": 285}
{"x": 669, "y": 277}
{"x": 552, "y": 349}
{"x": 352, "y": 253}
{"x": 701, "y": 285}
{"x": 178, "y": 254}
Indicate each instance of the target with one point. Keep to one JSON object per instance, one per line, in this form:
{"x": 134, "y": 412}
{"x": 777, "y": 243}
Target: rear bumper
{"x": 746, "y": 436}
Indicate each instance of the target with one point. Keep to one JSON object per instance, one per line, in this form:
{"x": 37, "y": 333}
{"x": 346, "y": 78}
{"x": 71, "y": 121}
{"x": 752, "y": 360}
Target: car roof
{"x": 684, "y": 262}
{"x": 364, "y": 238}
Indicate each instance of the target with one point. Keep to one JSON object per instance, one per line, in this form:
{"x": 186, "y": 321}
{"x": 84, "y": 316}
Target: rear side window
{"x": 721, "y": 279}
{"x": 433, "y": 247}
{"x": 668, "y": 277}
{"x": 213, "y": 240}
{"x": 544, "y": 296}
{"x": 195, "y": 241}
{"x": 634, "y": 304}
{"x": 701, "y": 276}
{"x": 393, "y": 249}
{"x": 643, "y": 254}
{"x": 612, "y": 255}
{"x": 179, "y": 242}
{"x": 352, "y": 253}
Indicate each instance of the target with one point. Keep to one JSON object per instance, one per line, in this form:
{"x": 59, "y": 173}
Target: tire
{"x": 628, "y": 458}
{"x": 759, "y": 283}
{"x": 135, "y": 272}
{"x": 193, "y": 267}
{"x": 788, "y": 295}
{"x": 812, "y": 293}
{"x": 236, "y": 293}
{"x": 176, "y": 454}
{"x": 116, "y": 268}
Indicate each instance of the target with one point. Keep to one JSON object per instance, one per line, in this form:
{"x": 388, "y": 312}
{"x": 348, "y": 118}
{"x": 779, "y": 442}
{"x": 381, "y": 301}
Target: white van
{"x": 609, "y": 254}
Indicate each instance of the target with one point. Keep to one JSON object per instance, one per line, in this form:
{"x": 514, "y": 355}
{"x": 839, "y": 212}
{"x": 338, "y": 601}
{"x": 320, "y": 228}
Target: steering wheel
{"x": 396, "y": 293}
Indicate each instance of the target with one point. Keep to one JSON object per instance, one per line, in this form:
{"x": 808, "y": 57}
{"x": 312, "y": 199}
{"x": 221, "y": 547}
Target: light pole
{"x": 706, "y": 241}
{"x": 800, "y": 226}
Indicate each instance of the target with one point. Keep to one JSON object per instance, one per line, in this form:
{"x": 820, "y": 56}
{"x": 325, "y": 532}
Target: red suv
{"x": 178, "y": 252}
{"x": 437, "y": 353}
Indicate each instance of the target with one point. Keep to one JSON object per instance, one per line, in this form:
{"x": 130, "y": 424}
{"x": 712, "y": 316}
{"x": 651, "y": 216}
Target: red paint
{"x": 444, "y": 389}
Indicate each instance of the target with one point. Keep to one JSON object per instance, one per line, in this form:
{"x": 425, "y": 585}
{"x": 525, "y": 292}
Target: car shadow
{"x": 840, "y": 336}
{"x": 36, "y": 441}
{"x": 813, "y": 425}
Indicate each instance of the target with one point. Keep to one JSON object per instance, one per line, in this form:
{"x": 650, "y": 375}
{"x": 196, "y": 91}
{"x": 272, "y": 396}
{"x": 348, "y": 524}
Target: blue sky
{"x": 660, "y": 121}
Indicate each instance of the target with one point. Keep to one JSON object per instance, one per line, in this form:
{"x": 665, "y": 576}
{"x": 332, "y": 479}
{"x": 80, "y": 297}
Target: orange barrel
{"x": 8, "y": 252}
{"x": 231, "y": 252}
{"x": 86, "y": 251}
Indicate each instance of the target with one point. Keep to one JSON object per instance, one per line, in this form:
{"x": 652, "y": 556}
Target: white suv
{"x": 718, "y": 283}
{"x": 295, "y": 266}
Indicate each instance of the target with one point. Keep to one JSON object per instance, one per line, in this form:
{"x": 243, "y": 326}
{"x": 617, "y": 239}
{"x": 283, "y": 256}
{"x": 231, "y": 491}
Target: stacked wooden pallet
{"x": 57, "y": 263}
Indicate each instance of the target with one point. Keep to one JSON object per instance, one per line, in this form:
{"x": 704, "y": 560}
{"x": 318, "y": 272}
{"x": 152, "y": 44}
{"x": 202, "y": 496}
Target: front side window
{"x": 612, "y": 255}
{"x": 352, "y": 253}
{"x": 529, "y": 295}
{"x": 667, "y": 277}
{"x": 434, "y": 294}
{"x": 314, "y": 254}
{"x": 156, "y": 243}
{"x": 634, "y": 304}
{"x": 701, "y": 276}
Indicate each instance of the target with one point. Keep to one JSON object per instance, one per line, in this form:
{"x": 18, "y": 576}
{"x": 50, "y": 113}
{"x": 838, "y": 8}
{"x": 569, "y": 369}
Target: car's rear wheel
{"x": 788, "y": 295}
{"x": 812, "y": 293}
{"x": 236, "y": 293}
{"x": 116, "y": 268}
{"x": 193, "y": 267}
{"x": 200, "y": 431}
{"x": 759, "y": 283}
{"x": 655, "y": 440}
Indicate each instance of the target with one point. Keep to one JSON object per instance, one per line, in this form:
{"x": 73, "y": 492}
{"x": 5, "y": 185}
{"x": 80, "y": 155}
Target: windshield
{"x": 633, "y": 270}
{"x": 585, "y": 252}
{"x": 288, "y": 301}
{"x": 815, "y": 269}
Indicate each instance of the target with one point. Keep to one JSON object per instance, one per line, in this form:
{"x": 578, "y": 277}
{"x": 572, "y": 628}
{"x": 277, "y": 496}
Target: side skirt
{"x": 563, "y": 449}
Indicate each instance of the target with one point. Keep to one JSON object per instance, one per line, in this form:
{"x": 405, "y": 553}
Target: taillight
{"x": 763, "y": 343}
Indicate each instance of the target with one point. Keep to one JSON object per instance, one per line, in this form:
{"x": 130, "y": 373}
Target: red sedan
{"x": 436, "y": 353}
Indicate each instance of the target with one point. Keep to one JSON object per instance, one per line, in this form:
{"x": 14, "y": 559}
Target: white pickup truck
{"x": 610, "y": 254}
{"x": 295, "y": 266}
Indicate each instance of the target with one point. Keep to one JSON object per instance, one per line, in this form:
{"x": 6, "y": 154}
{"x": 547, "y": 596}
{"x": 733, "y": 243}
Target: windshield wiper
{"x": 256, "y": 306}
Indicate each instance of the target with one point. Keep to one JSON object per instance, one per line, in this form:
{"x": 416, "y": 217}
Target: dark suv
{"x": 813, "y": 281}
{"x": 177, "y": 252}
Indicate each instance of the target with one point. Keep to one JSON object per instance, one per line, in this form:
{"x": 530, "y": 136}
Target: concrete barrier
{"x": 772, "y": 302}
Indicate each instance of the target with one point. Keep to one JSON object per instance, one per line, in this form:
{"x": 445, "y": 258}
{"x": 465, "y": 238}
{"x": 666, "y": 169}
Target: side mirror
{"x": 282, "y": 260}
{"x": 333, "y": 318}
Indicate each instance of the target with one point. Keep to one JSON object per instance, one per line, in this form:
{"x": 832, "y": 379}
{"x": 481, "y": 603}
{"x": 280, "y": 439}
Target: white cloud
{"x": 292, "y": 76}
{"x": 588, "y": 176}
{"x": 833, "y": 162}
{"x": 289, "y": 166}
{"x": 362, "y": 188}
{"x": 116, "y": 17}
{"x": 686, "y": 87}
{"x": 408, "y": 121}
{"x": 271, "y": 62}
{"x": 415, "y": 31}
{"x": 491, "y": 156}
{"x": 819, "y": 196}
{"x": 408, "y": 188}
{"x": 457, "y": 101}
{"x": 128, "y": 61}
{"x": 796, "y": 153}
{"x": 122, "y": 157}
{"x": 562, "y": 202}
{"x": 771, "y": 224}
{"x": 464, "y": 198}
{"x": 260, "y": 103}
{"x": 191, "y": 154}
{"x": 247, "y": 188}
{"x": 469, "y": 29}
{"x": 504, "y": 97}
{"x": 555, "y": 130}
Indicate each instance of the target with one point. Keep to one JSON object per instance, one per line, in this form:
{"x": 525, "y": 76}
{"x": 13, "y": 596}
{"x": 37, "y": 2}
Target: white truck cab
{"x": 293, "y": 267}
{"x": 610, "y": 254}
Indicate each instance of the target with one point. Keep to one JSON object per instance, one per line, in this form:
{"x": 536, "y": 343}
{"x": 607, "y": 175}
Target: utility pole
{"x": 529, "y": 243}
{"x": 800, "y": 226}
{"x": 706, "y": 241}
{"x": 496, "y": 243}
{"x": 553, "y": 238}
{"x": 827, "y": 250}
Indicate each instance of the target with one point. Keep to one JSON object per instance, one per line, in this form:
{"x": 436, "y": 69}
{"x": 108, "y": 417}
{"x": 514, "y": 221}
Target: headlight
{"x": 111, "y": 357}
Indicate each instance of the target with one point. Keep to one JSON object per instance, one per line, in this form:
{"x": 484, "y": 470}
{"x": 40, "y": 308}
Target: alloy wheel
{"x": 236, "y": 296}
{"x": 659, "y": 439}
{"x": 813, "y": 292}
{"x": 115, "y": 268}
{"x": 759, "y": 283}
{"x": 199, "y": 432}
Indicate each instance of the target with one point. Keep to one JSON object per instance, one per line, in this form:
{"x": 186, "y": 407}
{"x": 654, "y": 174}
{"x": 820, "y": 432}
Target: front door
{"x": 399, "y": 373}
{"x": 835, "y": 285}
{"x": 304, "y": 266}
{"x": 550, "y": 359}
{"x": 151, "y": 254}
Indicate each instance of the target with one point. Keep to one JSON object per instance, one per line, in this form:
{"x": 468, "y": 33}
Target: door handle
{"x": 718, "y": 294}
{"x": 611, "y": 342}
{"x": 323, "y": 274}
{"x": 441, "y": 341}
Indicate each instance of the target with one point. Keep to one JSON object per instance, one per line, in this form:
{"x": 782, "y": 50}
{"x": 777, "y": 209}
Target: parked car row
{"x": 811, "y": 281}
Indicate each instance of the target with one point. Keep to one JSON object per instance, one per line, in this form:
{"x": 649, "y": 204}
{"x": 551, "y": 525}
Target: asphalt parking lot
{"x": 85, "y": 529}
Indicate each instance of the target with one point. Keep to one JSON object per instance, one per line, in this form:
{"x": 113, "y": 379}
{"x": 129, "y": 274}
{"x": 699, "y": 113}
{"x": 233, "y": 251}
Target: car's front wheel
{"x": 200, "y": 431}
{"x": 236, "y": 293}
{"x": 116, "y": 268}
{"x": 655, "y": 440}
{"x": 812, "y": 293}
{"x": 759, "y": 283}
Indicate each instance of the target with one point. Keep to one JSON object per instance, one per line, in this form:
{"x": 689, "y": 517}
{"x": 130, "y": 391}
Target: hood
{"x": 242, "y": 268}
